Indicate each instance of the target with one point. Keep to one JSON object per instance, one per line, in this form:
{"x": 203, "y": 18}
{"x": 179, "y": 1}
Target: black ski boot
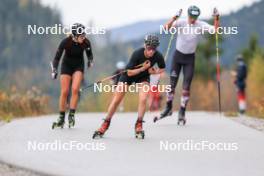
{"x": 71, "y": 120}
{"x": 60, "y": 122}
{"x": 181, "y": 116}
{"x": 165, "y": 113}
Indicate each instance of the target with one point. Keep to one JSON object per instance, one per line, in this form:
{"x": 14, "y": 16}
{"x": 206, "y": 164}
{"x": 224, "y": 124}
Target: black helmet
{"x": 77, "y": 29}
{"x": 152, "y": 41}
{"x": 194, "y": 11}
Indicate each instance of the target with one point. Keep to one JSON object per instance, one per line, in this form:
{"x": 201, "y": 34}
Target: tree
{"x": 206, "y": 52}
{"x": 253, "y": 47}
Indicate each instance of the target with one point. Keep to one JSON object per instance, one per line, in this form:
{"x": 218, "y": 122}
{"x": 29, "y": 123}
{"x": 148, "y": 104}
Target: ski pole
{"x": 169, "y": 46}
{"x": 102, "y": 80}
{"x": 216, "y": 21}
{"x": 171, "y": 38}
{"x": 107, "y": 78}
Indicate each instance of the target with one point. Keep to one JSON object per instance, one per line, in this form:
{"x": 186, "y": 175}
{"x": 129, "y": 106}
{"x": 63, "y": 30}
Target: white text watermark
{"x": 58, "y": 145}
{"x": 58, "y": 29}
{"x": 205, "y": 145}
{"x": 196, "y": 30}
{"x": 134, "y": 88}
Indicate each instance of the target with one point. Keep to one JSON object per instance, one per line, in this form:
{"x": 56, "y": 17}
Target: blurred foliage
{"x": 248, "y": 20}
{"x": 24, "y": 62}
{"x": 252, "y": 48}
{"x": 24, "y": 58}
{"x": 206, "y": 57}
{"x": 255, "y": 83}
{"x": 29, "y": 103}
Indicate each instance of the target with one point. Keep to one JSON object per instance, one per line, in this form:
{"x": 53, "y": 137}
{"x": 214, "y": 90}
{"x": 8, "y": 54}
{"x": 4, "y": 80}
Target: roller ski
{"x": 59, "y": 124}
{"x": 165, "y": 113}
{"x": 71, "y": 120}
{"x": 181, "y": 117}
{"x": 139, "y": 132}
{"x": 100, "y": 132}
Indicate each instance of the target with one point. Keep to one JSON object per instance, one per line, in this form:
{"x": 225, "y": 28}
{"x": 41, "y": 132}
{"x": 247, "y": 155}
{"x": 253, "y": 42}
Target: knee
{"x": 173, "y": 73}
{"x": 75, "y": 91}
{"x": 185, "y": 93}
{"x": 187, "y": 84}
{"x": 173, "y": 81}
{"x": 64, "y": 92}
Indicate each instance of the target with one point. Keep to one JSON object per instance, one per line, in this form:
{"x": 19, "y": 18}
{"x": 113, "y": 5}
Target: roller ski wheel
{"x": 139, "y": 132}
{"x": 181, "y": 117}
{"x": 181, "y": 121}
{"x": 155, "y": 119}
{"x": 58, "y": 124}
{"x": 100, "y": 132}
{"x": 97, "y": 135}
{"x": 71, "y": 120}
{"x": 140, "y": 135}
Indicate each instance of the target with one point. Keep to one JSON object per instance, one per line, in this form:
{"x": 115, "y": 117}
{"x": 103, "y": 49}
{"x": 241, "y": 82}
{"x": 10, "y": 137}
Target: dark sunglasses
{"x": 149, "y": 48}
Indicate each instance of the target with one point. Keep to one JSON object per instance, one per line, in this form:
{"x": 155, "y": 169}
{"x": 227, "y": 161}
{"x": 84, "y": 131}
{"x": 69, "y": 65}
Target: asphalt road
{"x": 206, "y": 145}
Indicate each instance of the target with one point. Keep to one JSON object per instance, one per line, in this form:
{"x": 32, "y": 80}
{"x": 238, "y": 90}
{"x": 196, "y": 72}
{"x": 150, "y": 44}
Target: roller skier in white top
{"x": 188, "y": 33}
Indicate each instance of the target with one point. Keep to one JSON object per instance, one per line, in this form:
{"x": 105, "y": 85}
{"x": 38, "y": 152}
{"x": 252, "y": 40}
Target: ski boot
{"x": 71, "y": 120}
{"x": 139, "y": 132}
{"x": 165, "y": 113}
{"x": 60, "y": 122}
{"x": 181, "y": 116}
{"x": 100, "y": 132}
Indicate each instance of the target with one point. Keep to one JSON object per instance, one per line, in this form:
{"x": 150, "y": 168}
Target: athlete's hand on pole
{"x": 90, "y": 63}
{"x": 54, "y": 71}
{"x": 54, "y": 74}
{"x": 171, "y": 21}
{"x": 178, "y": 14}
{"x": 216, "y": 19}
{"x": 215, "y": 13}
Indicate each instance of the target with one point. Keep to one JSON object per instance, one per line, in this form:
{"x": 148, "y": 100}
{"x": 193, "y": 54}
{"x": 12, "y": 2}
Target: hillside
{"x": 24, "y": 58}
{"x": 248, "y": 20}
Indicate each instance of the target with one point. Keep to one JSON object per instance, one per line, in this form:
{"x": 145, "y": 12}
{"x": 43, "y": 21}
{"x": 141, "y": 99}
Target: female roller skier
{"x": 72, "y": 69}
{"x": 184, "y": 56}
{"x": 148, "y": 56}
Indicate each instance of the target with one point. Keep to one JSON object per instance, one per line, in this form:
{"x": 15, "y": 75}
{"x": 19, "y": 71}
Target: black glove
{"x": 54, "y": 71}
{"x": 54, "y": 74}
{"x": 216, "y": 13}
{"x": 90, "y": 63}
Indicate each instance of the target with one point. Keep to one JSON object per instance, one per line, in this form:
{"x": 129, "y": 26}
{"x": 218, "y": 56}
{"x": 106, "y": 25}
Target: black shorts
{"x": 130, "y": 80}
{"x": 181, "y": 58}
{"x": 67, "y": 69}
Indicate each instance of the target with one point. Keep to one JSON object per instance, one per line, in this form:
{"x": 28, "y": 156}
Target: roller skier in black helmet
{"x": 147, "y": 57}
{"x": 72, "y": 70}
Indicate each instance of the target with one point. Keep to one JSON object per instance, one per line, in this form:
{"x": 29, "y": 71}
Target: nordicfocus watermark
{"x": 58, "y": 29}
{"x": 190, "y": 145}
{"x": 198, "y": 30}
{"x": 134, "y": 88}
{"x": 58, "y": 145}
